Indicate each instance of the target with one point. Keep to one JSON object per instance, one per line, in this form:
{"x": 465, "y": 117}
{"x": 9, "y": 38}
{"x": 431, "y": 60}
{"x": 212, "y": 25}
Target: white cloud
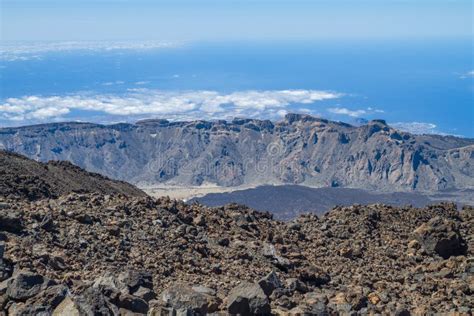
{"x": 354, "y": 113}
{"x": 180, "y": 105}
{"x": 345, "y": 111}
{"x": 469, "y": 74}
{"x": 372, "y": 110}
{"x": 21, "y": 51}
{"x": 421, "y": 128}
{"x": 113, "y": 83}
{"x": 282, "y": 113}
{"x": 416, "y": 127}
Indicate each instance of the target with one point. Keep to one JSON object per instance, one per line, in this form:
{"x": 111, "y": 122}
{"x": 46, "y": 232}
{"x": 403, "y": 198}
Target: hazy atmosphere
{"x": 186, "y": 20}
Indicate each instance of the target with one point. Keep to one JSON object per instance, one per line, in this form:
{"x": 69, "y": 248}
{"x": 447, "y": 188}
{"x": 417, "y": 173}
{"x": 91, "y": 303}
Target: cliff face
{"x": 298, "y": 150}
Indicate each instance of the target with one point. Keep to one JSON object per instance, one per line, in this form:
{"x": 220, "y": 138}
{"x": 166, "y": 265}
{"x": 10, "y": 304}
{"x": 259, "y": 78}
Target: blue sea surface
{"x": 410, "y": 81}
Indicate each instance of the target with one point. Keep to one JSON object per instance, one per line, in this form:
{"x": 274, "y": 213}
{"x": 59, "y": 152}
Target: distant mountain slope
{"x": 297, "y": 150}
{"x": 289, "y": 201}
{"x": 25, "y": 178}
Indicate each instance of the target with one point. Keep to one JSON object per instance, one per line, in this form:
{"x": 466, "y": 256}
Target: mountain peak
{"x": 299, "y": 117}
{"x": 378, "y": 122}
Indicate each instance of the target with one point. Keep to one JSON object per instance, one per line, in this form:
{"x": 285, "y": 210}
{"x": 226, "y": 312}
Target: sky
{"x": 106, "y": 61}
{"x": 191, "y": 20}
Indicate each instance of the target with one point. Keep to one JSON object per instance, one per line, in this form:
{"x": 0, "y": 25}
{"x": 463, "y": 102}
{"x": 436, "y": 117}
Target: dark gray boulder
{"x": 269, "y": 283}
{"x": 440, "y": 236}
{"x": 293, "y": 284}
{"x": 45, "y": 302}
{"x": 191, "y": 300}
{"x": 11, "y": 221}
{"x": 93, "y": 302}
{"x": 130, "y": 290}
{"x": 26, "y": 285}
{"x": 6, "y": 269}
{"x": 130, "y": 303}
{"x": 2, "y": 249}
{"x": 248, "y": 299}
{"x": 136, "y": 279}
{"x": 145, "y": 293}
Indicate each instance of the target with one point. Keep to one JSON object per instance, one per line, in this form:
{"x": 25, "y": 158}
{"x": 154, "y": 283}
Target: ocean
{"x": 405, "y": 82}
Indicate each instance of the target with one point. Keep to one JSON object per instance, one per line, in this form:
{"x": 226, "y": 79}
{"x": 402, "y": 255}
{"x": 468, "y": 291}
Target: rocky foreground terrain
{"x": 117, "y": 254}
{"x": 24, "y": 178}
{"x": 103, "y": 255}
{"x": 299, "y": 149}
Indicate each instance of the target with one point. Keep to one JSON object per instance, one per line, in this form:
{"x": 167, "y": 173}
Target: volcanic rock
{"x": 269, "y": 283}
{"x": 66, "y": 307}
{"x": 300, "y": 149}
{"x": 25, "y": 178}
{"x": 187, "y": 300}
{"x": 26, "y": 285}
{"x": 360, "y": 259}
{"x": 314, "y": 276}
{"x": 248, "y": 299}
{"x": 11, "y": 221}
{"x": 440, "y": 236}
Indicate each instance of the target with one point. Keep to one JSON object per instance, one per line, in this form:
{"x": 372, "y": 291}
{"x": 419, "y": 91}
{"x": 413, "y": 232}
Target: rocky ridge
{"x": 95, "y": 254}
{"x": 300, "y": 149}
{"x": 25, "y": 178}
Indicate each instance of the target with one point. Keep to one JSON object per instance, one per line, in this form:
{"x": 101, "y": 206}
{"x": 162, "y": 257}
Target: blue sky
{"x": 193, "y": 20}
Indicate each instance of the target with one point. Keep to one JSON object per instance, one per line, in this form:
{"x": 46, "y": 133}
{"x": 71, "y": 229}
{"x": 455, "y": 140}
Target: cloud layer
{"x": 21, "y": 51}
{"x": 140, "y": 103}
{"x": 180, "y": 105}
{"x": 416, "y": 127}
{"x": 354, "y": 113}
